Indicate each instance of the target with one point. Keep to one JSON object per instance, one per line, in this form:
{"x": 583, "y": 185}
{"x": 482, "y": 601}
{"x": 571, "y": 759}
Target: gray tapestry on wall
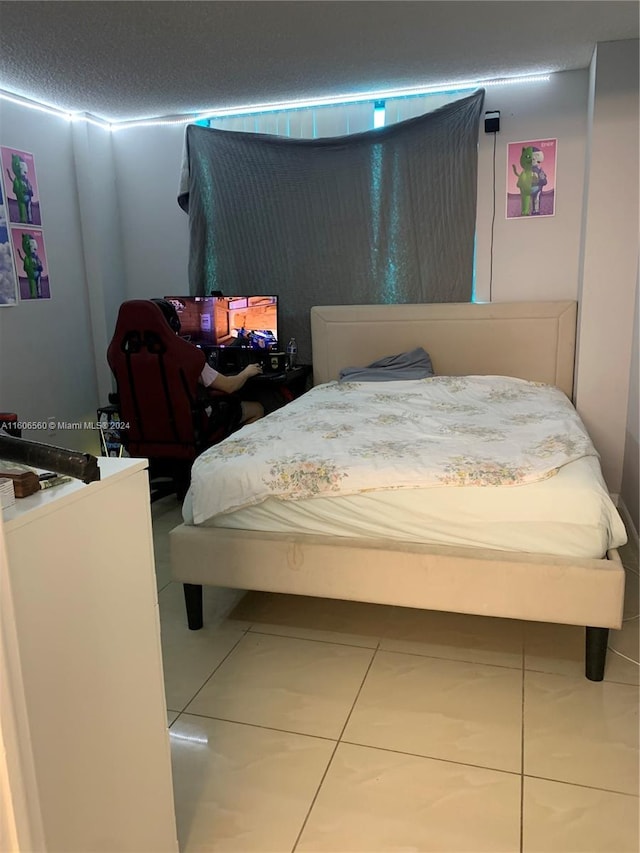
{"x": 385, "y": 216}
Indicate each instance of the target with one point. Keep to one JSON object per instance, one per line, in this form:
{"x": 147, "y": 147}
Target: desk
{"x": 294, "y": 379}
{"x": 274, "y": 390}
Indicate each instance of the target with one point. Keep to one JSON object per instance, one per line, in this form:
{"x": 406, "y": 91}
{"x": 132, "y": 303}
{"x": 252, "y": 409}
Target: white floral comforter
{"x": 350, "y": 437}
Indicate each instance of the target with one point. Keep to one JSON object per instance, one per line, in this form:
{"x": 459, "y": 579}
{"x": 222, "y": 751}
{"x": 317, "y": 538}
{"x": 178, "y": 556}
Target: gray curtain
{"x": 385, "y": 216}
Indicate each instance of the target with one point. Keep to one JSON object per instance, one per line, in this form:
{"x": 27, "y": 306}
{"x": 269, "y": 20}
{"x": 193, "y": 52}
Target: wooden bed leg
{"x": 596, "y": 653}
{"x": 193, "y": 601}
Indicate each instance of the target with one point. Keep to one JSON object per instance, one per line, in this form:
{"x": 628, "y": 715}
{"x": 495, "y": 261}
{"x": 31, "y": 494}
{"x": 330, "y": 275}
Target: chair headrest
{"x": 142, "y": 320}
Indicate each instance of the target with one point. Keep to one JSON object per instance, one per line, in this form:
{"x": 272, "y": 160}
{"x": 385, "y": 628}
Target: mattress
{"x": 569, "y": 515}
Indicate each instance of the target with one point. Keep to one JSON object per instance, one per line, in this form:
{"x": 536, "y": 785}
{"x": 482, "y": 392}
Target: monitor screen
{"x": 249, "y": 321}
{"x": 196, "y": 318}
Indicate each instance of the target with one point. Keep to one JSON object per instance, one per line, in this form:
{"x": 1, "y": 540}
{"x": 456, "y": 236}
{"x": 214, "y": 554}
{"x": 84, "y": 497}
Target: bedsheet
{"x": 569, "y": 515}
{"x": 353, "y": 438}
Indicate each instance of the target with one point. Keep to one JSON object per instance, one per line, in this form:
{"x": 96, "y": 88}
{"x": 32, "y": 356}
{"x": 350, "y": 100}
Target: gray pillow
{"x": 415, "y": 364}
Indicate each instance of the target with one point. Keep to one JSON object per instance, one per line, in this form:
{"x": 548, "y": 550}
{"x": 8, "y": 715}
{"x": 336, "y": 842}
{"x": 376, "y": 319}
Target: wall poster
{"x": 8, "y": 277}
{"x": 31, "y": 262}
{"x": 531, "y": 178}
{"x": 23, "y": 220}
{"x": 21, "y": 187}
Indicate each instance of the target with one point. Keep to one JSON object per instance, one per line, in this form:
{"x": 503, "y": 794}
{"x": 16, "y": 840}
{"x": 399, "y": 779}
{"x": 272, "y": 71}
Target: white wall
{"x": 534, "y": 258}
{"x": 154, "y": 229}
{"x": 101, "y": 240}
{"x": 630, "y": 491}
{"x": 610, "y": 256}
{"x": 47, "y": 360}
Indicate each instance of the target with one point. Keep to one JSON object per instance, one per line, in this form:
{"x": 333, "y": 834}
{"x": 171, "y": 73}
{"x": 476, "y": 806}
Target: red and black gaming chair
{"x": 158, "y": 394}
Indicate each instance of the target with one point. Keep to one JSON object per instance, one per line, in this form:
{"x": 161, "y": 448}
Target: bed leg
{"x": 193, "y": 601}
{"x": 596, "y": 653}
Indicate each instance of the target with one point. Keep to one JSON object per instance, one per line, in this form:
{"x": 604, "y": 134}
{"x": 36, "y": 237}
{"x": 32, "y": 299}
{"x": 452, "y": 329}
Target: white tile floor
{"x": 314, "y": 725}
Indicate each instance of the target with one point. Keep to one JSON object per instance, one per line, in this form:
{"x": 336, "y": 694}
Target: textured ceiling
{"x": 127, "y": 60}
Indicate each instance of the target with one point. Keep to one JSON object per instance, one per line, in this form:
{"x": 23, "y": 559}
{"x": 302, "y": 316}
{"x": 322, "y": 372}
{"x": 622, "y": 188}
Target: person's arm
{"x": 229, "y": 384}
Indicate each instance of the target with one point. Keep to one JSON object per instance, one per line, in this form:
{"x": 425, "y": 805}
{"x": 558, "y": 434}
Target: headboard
{"x": 529, "y": 340}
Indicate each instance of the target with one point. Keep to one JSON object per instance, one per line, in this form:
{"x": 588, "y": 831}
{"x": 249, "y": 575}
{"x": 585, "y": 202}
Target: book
{"x": 25, "y": 479}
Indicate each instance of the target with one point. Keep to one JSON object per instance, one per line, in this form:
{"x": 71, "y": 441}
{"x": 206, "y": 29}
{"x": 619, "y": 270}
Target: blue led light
{"x": 203, "y": 118}
{"x": 379, "y": 114}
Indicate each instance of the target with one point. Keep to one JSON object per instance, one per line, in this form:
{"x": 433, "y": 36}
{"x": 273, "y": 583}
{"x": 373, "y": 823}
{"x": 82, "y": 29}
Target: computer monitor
{"x": 239, "y": 321}
{"x": 196, "y": 318}
{"x": 247, "y": 321}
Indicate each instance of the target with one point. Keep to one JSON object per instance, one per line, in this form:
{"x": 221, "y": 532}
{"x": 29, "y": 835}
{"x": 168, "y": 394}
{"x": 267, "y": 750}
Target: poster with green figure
{"x": 531, "y": 178}
{"x": 31, "y": 262}
{"x": 21, "y": 187}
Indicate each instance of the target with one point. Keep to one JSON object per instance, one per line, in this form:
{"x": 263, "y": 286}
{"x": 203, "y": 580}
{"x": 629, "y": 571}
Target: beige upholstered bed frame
{"x": 529, "y": 340}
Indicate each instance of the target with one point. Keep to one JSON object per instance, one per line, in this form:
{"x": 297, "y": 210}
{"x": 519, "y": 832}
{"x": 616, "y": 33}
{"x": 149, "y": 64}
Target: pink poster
{"x": 31, "y": 262}
{"x": 531, "y": 178}
{"x": 21, "y": 187}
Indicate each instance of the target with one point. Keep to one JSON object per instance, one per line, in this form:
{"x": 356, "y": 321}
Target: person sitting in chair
{"x": 211, "y": 380}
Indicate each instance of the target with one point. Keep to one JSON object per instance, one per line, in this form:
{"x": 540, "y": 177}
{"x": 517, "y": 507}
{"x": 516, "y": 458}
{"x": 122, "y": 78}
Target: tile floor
{"x": 314, "y": 725}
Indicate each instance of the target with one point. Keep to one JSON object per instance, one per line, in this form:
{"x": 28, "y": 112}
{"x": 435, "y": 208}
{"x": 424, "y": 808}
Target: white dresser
{"x": 81, "y": 572}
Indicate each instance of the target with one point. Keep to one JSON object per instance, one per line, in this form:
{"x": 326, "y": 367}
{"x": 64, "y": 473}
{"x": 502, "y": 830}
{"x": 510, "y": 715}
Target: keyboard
{"x": 269, "y": 377}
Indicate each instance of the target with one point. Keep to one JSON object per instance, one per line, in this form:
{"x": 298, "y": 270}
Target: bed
{"x": 534, "y": 342}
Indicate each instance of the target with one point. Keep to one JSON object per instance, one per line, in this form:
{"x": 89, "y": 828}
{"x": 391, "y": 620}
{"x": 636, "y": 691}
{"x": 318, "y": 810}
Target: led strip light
{"x": 256, "y": 109}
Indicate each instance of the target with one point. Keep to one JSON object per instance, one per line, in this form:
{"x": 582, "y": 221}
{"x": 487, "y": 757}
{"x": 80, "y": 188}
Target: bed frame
{"x": 529, "y": 340}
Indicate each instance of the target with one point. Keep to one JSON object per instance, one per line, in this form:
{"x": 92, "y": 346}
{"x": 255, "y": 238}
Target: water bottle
{"x": 292, "y": 353}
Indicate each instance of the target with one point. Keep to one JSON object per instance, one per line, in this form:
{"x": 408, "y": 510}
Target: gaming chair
{"x": 159, "y": 396}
